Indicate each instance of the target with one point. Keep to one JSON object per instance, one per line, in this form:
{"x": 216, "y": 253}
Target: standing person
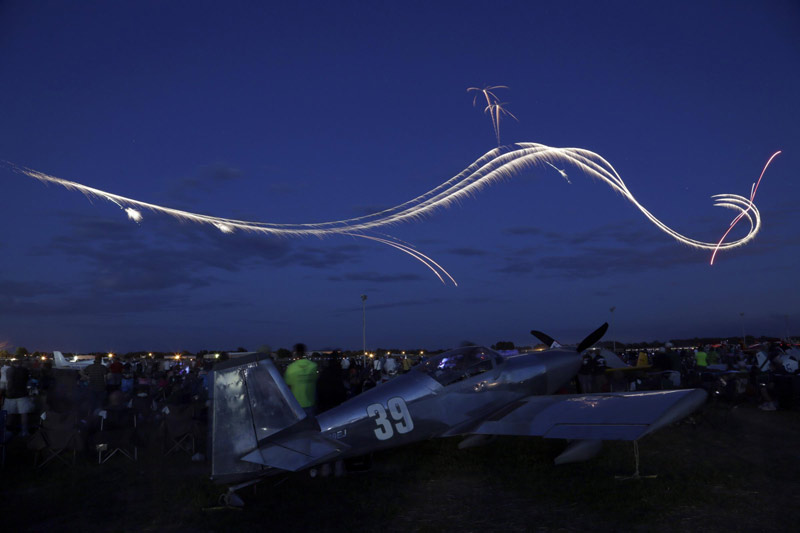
{"x": 114, "y": 377}
{"x": 301, "y": 376}
{"x": 599, "y": 380}
{"x": 330, "y": 385}
{"x": 585, "y": 374}
{"x": 3, "y": 381}
{"x": 96, "y": 374}
{"x": 17, "y": 400}
{"x": 701, "y": 358}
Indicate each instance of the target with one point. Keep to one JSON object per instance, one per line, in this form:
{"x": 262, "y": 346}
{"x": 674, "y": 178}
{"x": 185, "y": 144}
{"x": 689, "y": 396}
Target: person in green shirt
{"x": 301, "y": 376}
{"x": 701, "y": 358}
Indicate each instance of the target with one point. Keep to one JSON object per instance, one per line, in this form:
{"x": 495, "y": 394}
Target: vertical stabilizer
{"x": 250, "y": 402}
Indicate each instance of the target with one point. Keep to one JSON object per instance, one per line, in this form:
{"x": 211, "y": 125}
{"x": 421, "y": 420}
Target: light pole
{"x": 364, "y": 323}
{"x": 612, "y": 320}
{"x": 744, "y": 343}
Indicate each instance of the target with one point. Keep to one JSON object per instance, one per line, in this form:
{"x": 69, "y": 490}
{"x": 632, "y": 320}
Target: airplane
{"x": 258, "y": 428}
{"x": 78, "y": 362}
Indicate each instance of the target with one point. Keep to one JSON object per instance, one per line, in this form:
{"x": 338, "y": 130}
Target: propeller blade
{"x": 593, "y": 337}
{"x": 546, "y": 339}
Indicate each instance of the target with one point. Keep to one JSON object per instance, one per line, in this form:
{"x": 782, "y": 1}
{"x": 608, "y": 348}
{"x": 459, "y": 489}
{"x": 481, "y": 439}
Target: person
{"x": 17, "y": 400}
{"x": 599, "y": 380}
{"x": 701, "y": 358}
{"x": 114, "y": 377}
{"x": 585, "y": 374}
{"x": 330, "y": 385}
{"x": 301, "y": 377}
{"x": 96, "y": 375}
{"x": 712, "y": 356}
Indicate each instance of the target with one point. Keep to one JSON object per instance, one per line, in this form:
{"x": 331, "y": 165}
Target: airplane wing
{"x": 609, "y": 416}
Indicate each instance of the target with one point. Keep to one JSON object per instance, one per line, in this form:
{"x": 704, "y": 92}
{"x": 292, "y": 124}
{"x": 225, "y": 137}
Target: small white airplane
{"x": 77, "y": 362}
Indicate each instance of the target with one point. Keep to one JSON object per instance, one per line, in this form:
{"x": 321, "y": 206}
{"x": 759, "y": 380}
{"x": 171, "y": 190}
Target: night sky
{"x": 317, "y": 111}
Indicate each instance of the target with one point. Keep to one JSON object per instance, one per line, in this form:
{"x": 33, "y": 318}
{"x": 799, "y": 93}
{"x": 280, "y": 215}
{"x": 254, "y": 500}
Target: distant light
{"x": 421, "y": 352}
{"x": 44, "y": 358}
{"x": 111, "y": 355}
{"x": 216, "y": 356}
{"x": 150, "y": 354}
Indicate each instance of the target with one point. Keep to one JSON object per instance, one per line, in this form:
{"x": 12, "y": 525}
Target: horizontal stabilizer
{"x": 296, "y": 451}
{"x": 611, "y": 416}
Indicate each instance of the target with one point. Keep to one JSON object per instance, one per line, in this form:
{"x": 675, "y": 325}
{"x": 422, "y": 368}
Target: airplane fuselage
{"x": 416, "y": 406}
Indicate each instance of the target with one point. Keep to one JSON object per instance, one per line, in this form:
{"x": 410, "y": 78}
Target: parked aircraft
{"x": 77, "y": 362}
{"x": 258, "y": 428}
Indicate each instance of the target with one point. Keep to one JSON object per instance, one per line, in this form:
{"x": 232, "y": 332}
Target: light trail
{"x": 413, "y": 252}
{"x": 497, "y": 164}
{"x": 744, "y": 213}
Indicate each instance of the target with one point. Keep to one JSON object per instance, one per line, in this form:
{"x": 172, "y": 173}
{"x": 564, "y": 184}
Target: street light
{"x": 364, "y": 322}
{"x": 744, "y": 342}
{"x": 613, "y": 307}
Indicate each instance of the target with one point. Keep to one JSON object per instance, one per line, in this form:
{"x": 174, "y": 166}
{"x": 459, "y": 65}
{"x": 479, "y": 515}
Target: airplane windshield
{"x": 459, "y": 364}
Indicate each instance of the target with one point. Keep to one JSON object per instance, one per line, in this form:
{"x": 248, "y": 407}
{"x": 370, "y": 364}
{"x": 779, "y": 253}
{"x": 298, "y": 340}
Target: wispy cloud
{"x": 376, "y": 277}
{"x": 468, "y": 252}
{"x": 208, "y": 178}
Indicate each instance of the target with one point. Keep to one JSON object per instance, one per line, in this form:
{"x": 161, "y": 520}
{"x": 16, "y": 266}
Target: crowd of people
{"x": 31, "y": 389}
{"x": 768, "y": 373}
{"x": 146, "y": 386}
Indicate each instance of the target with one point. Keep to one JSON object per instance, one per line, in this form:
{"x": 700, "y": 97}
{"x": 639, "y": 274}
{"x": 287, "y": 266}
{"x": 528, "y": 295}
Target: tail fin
{"x": 60, "y": 360}
{"x": 257, "y": 423}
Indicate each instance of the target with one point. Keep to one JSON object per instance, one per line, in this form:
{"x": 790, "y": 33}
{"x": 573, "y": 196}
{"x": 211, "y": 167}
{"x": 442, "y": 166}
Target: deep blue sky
{"x": 319, "y": 111}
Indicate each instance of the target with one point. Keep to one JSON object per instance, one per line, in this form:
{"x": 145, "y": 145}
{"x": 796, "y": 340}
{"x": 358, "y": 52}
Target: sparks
{"x": 560, "y": 171}
{"x": 133, "y": 214}
{"x": 494, "y": 108}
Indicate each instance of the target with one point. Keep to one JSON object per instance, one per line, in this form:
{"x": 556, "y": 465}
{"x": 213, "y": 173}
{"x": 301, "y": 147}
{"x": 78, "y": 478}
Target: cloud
{"x": 11, "y": 290}
{"x": 376, "y": 277}
{"x": 398, "y": 304}
{"x": 207, "y": 178}
{"x": 594, "y": 262}
{"x": 522, "y": 230}
{"x": 116, "y": 255}
{"x": 468, "y": 252}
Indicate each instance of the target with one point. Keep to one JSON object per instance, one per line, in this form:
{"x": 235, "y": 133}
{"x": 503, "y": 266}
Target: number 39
{"x": 398, "y": 411}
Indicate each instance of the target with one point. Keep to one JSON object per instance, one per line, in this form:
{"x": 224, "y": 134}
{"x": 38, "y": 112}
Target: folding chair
{"x": 117, "y": 434}
{"x": 3, "y": 414}
{"x": 180, "y": 428}
{"x": 58, "y": 435}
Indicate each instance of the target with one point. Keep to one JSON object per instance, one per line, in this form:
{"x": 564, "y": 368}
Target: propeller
{"x": 546, "y": 339}
{"x": 593, "y": 337}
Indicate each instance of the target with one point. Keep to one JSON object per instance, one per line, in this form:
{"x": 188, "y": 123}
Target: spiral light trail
{"x": 497, "y": 164}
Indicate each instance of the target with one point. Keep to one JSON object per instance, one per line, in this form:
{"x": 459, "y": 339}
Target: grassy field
{"x": 728, "y": 469}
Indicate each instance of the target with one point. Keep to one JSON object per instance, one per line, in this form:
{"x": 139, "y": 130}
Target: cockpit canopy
{"x": 458, "y": 364}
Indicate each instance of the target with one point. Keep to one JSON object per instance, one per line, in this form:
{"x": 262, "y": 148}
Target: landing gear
{"x": 636, "y": 474}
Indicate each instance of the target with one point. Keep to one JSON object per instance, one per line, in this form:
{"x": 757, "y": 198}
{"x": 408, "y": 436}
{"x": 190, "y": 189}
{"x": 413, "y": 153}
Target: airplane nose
{"x": 561, "y": 368}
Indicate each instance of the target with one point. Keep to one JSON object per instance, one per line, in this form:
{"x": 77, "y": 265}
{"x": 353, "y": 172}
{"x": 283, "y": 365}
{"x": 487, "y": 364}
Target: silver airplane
{"x": 258, "y": 428}
{"x": 78, "y": 362}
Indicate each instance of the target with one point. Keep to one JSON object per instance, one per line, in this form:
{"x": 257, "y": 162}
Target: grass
{"x": 731, "y": 471}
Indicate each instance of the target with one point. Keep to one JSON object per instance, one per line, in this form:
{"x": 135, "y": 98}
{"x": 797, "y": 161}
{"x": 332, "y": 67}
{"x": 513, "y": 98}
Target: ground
{"x": 726, "y": 469}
